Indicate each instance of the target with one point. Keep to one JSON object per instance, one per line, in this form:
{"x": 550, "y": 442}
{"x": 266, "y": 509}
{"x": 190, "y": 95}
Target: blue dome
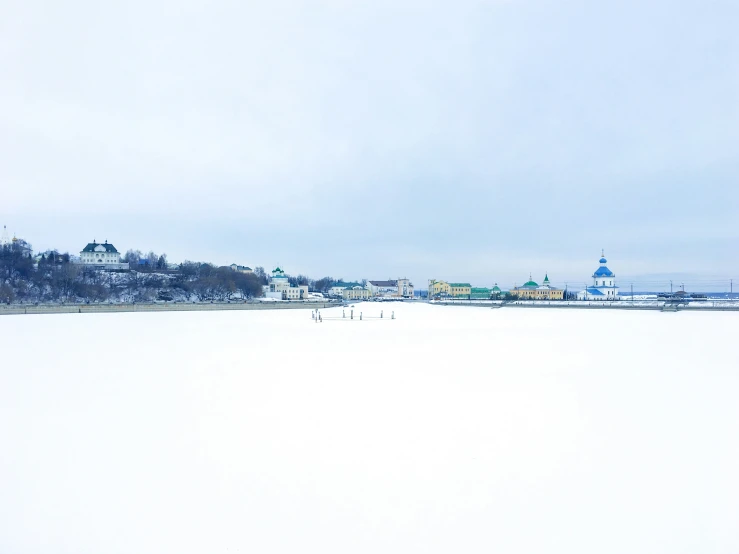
{"x": 603, "y": 261}
{"x": 603, "y": 272}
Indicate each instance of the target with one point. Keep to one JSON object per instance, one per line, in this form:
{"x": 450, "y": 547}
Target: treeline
{"x": 145, "y": 262}
{"x": 53, "y": 277}
{"x": 153, "y": 262}
{"x": 207, "y": 282}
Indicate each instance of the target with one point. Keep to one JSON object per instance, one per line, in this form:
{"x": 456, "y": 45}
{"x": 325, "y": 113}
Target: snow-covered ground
{"x": 444, "y": 430}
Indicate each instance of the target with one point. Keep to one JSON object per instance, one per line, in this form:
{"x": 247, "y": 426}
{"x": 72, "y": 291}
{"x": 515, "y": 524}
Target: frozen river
{"x": 449, "y": 429}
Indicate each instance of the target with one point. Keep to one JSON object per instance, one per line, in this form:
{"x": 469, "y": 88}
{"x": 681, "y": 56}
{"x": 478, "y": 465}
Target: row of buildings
{"x": 391, "y": 289}
{"x": 603, "y": 288}
{"x": 279, "y": 288}
{"x": 106, "y": 257}
{"x": 462, "y": 290}
{"x": 530, "y": 290}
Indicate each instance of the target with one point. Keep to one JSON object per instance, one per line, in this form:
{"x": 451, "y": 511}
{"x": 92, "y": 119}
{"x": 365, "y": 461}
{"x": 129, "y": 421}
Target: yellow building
{"x": 460, "y": 289}
{"x": 356, "y": 293}
{"x": 438, "y": 288}
{"x": 534, "y": 291}
{"x": 442, "y": 288}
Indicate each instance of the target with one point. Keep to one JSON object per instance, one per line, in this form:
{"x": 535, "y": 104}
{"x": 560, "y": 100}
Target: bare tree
{"x": 323, "y": 284}
{"x": 298, "y": 281}
{"x": 152, "y": 258}
{"x": 7, "y": 295}
{"x": 64, "y": 281}
{"x": 259, "y": 272}
{"x": 248, "y": 285}
{"x": 132, "y": 257}
{"x": 133, "y": 285}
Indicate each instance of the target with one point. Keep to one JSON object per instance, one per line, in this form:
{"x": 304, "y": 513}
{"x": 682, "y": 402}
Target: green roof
{"x": 530, "y": 284}
{"x": 479, "y": 292}
{"x": 496, "y": 288}
{"x": 93, "y": 245}
{"x": 460, "y": 285}
{"x": 346, "y": 285}
{"x": 546, "y": 278}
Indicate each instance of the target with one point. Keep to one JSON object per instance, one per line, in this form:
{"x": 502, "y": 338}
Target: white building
{"x": 401, "y": 288}
{"x": 604, "y": 284}
{"x": 405, "y": 288}
{"x": 240, "y": 268}
{"x": 101, "y": 256}
{"x": 337, "y": 289}
{"x": 279, "y": 287}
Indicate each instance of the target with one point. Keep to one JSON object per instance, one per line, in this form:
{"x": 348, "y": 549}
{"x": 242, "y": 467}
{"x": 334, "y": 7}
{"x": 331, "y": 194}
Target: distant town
{"x": 99, "y": 273}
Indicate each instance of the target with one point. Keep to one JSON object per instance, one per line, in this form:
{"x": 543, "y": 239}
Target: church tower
{"x": 604, "y": 283}
{"x": 4, "y": 238}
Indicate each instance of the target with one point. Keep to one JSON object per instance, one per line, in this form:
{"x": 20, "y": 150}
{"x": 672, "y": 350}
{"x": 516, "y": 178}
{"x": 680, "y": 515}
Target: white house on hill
{"x": 240, "y": 268}
{"x": 604, "y": 284}
{"x": 102, "y": 256}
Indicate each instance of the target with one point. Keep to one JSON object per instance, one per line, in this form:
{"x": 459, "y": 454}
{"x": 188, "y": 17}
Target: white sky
{"x": 471, "y": 141}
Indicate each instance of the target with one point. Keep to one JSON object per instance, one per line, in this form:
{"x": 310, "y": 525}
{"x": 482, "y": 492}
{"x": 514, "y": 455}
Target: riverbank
{"x": 710, "y": 305}
{"x": 20, "y": 309}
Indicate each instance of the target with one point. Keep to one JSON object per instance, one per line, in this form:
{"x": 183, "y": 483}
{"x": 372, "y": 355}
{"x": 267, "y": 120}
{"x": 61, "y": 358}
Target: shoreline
{"x": 29, "y": 309}
{"x": 584, "y": 305}
{"x": 20, "y": 309}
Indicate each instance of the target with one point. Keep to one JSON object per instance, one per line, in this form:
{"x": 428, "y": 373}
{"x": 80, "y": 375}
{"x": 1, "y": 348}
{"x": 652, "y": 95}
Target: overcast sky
{"x": 468, "y": 140}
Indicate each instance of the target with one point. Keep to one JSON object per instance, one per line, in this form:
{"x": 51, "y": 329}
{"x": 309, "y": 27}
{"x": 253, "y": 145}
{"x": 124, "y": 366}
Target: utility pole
{"x": 670, "y": 286}
{"x": 632, "y": 292}
{"x": 731, "y": 288}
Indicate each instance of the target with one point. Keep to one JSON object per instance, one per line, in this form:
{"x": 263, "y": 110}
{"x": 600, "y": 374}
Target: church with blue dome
{"x": 604, "y": 284}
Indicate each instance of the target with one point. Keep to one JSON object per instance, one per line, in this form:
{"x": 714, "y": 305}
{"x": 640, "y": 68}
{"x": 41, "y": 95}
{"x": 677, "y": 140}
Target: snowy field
{"x": 447, "y": 430}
